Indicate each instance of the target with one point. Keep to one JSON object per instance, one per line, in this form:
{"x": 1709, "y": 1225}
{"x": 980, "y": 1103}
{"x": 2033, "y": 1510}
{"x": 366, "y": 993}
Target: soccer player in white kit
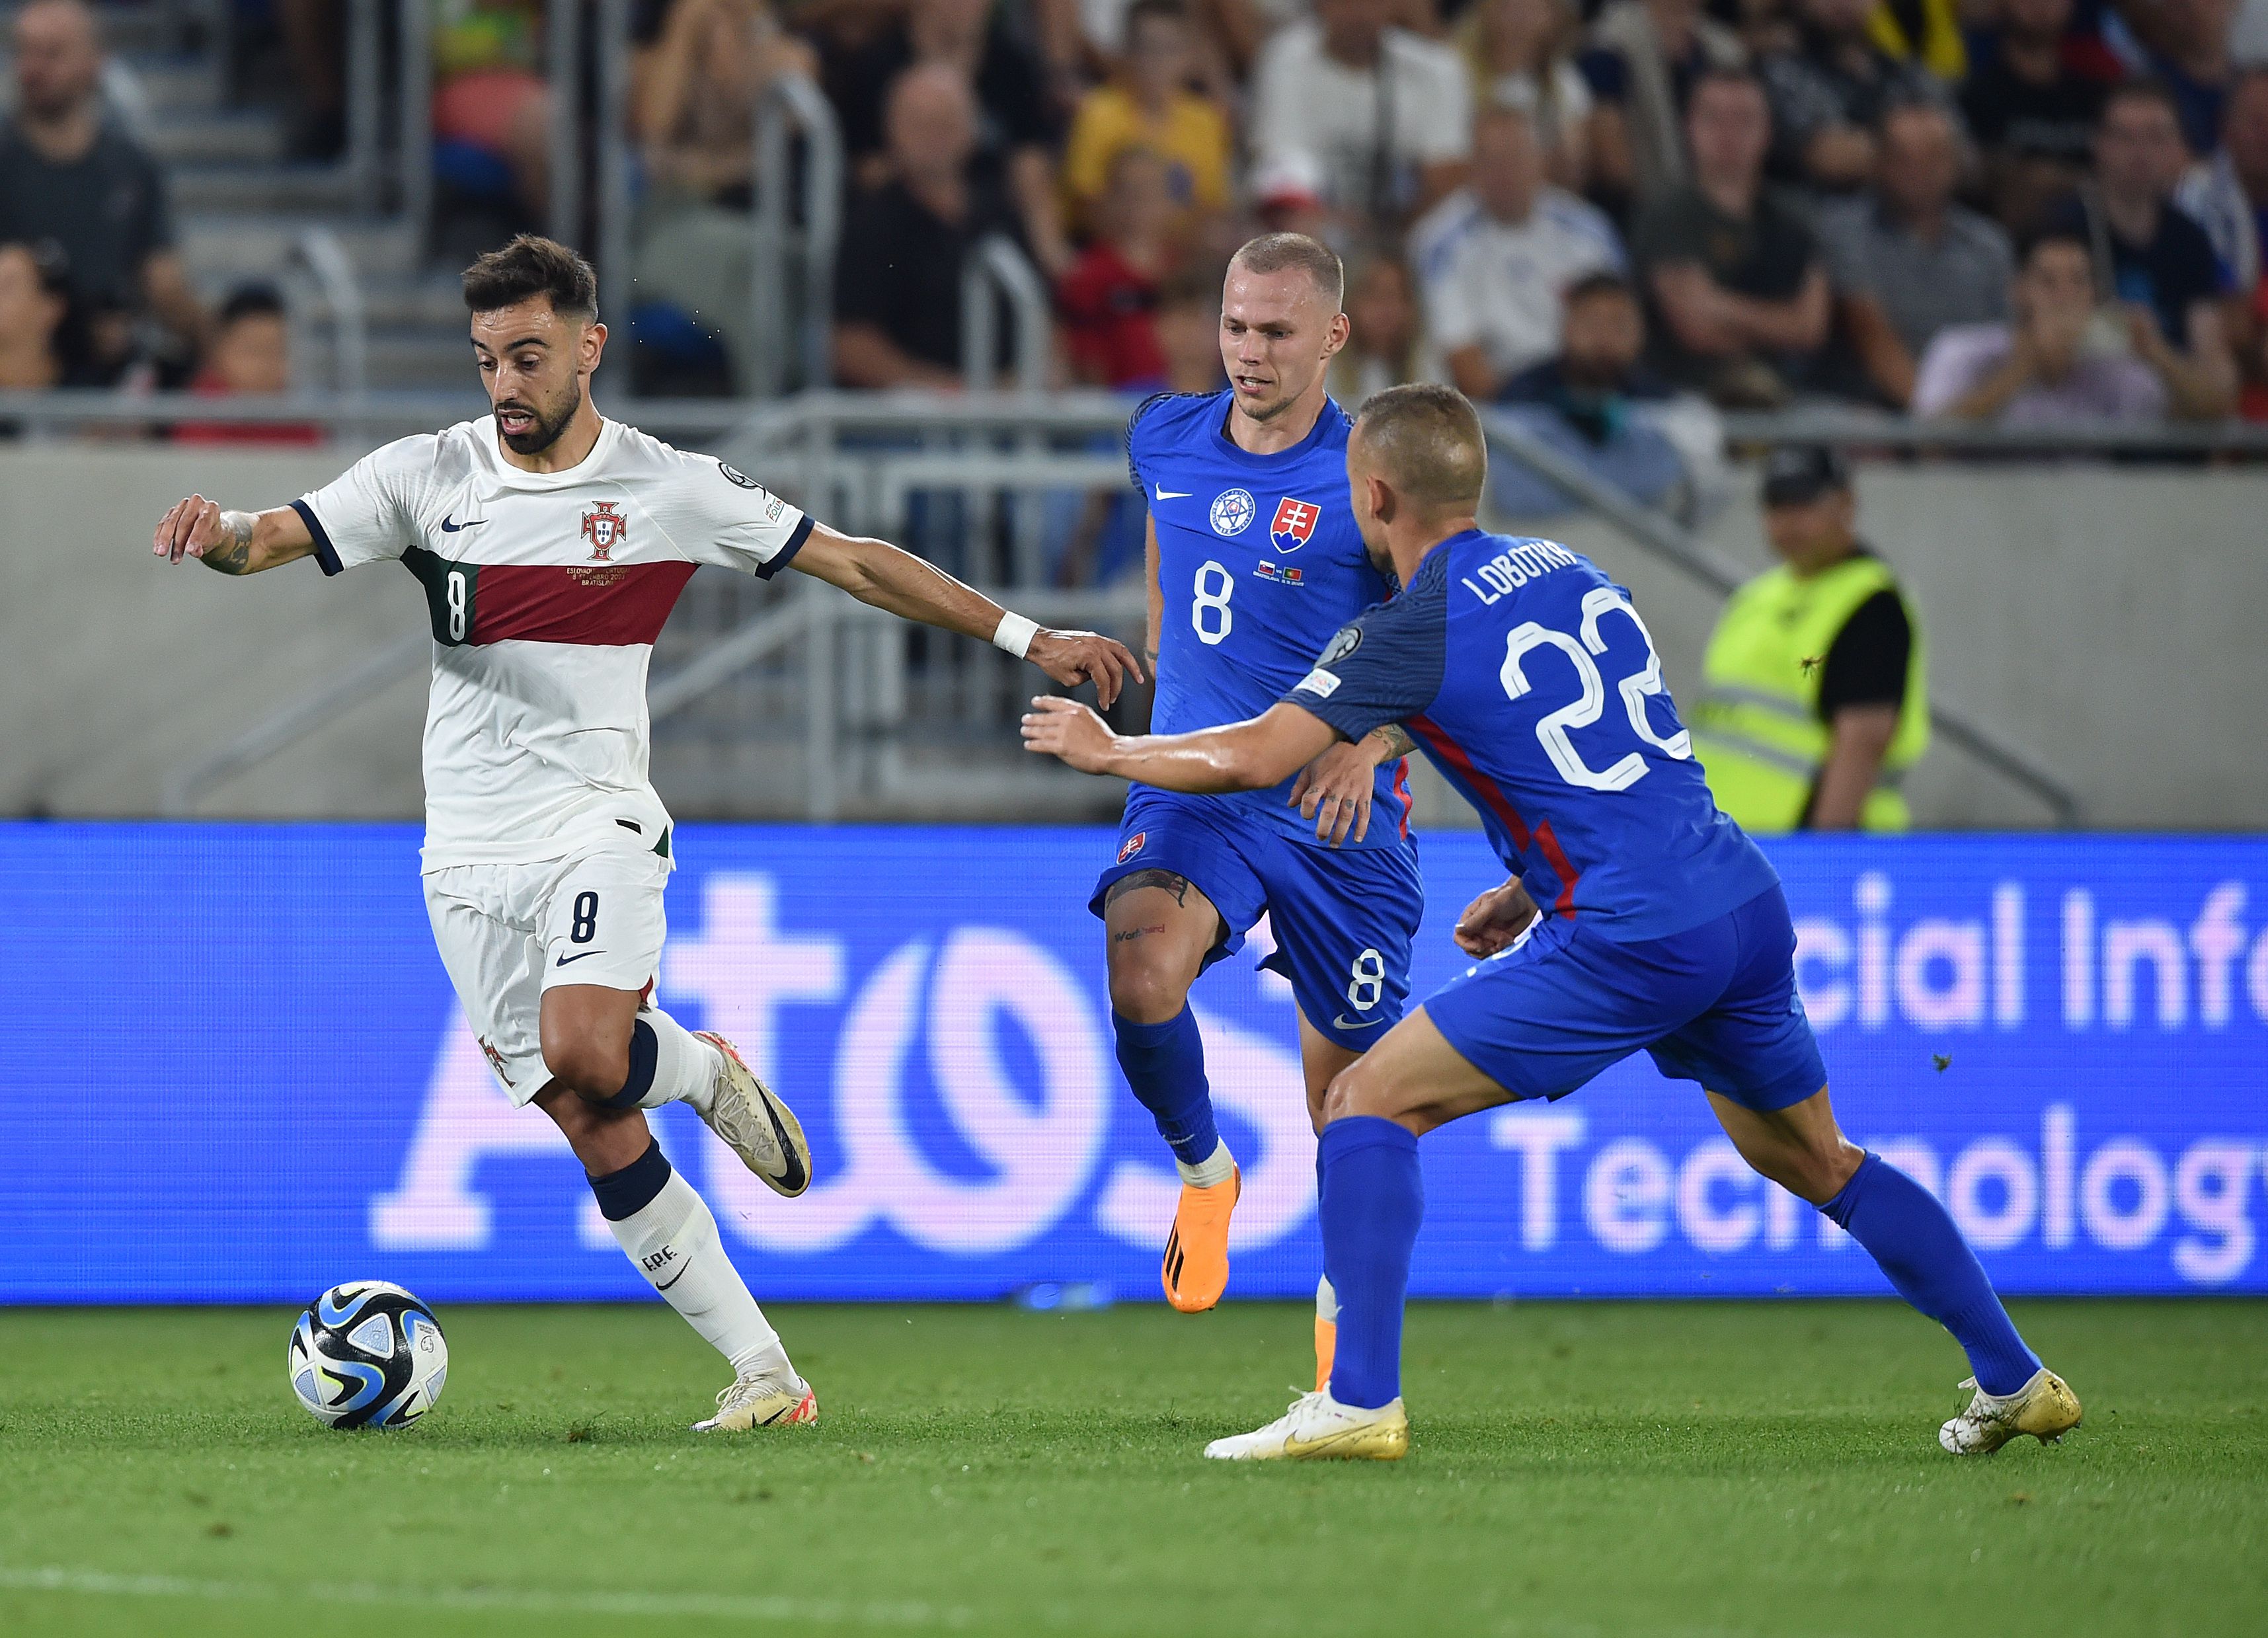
{"x": 552, "y": 543}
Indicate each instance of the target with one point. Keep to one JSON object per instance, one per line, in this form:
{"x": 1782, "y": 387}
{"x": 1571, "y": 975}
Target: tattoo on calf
{"x": 1178, "y": 886}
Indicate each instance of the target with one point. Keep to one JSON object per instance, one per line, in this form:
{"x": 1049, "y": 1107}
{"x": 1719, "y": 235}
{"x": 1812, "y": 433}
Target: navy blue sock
{"x": 1165, "y": 1065}
{"x": 1914, "y": 1239}
{"x": 627, "y": 1192}
{"x": 645, "y": 1048}
{"x": 1373, "y": 1197}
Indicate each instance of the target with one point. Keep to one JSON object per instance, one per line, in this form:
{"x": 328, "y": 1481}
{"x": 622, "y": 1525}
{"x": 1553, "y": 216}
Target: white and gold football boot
{"x": 1318, "y": 1428}
{"x": 2044, "y": 1407}
{"x": 757, "y": 1126}
{"x": 773, "y": 1401}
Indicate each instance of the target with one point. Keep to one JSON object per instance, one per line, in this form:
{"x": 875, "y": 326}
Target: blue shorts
{"x": 1343, "y": 918}
{"x": 1716, "y": 1004}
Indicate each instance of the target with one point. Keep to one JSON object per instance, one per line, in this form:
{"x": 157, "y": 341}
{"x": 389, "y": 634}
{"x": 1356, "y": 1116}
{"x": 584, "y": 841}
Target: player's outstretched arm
{"x": 231, "y": 543}
{"x": 1335, "y": 789}
{"x": 880, "y": 575}
{"x": 1247, "y": 755}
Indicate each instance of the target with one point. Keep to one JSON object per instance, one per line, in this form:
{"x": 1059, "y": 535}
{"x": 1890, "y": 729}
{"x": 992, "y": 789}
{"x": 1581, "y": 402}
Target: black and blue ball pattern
{"x": 367, "y": 1354}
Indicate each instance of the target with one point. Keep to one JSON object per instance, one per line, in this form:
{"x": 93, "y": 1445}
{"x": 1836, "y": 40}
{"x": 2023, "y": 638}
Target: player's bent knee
{"x": 1359, "y": 1090}
{"x": 1815, "y": 1173}
{"x": 1144, "y": 993}
{"x": 587, "y": 1063}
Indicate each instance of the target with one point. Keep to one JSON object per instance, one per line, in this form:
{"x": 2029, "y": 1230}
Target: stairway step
{"x": 252, "y": 136}
{"x": 261, "y": 189}
{"x": 224, "y": 244}
{"x": 176, "y": 85}
{"x": 419, "y": 355}
{"x": 432, "y": 301}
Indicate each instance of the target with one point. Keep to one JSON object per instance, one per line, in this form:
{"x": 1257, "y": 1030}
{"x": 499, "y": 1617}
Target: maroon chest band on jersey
{"x": 599, "y": 604}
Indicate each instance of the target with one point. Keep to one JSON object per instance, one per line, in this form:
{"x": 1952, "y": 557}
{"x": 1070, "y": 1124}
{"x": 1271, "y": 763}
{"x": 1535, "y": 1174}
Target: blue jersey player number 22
{"x": 1528, "y": 678}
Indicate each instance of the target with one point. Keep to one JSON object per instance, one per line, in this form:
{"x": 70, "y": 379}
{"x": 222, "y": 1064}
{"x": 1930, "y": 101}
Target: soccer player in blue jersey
{"x": 1254, "y": 561}
{"x": 1530, "y": 680}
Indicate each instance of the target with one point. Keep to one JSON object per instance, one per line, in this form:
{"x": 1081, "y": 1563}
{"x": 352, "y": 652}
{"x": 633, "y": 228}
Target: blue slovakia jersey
{"x": 1260, "y": 562}
{"x": 1527, "y": 676}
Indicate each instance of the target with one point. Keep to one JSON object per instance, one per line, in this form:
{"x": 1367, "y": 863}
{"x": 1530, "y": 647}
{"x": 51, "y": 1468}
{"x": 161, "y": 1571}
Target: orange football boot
{"x": 1327, "y": 1348}
{"x": 1196, "y": 1269}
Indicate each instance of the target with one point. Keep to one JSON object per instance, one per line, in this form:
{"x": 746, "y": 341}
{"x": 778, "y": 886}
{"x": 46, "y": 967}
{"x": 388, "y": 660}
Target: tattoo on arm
{"x": 1396, "y": 738}
{"x": 232, "y": 553}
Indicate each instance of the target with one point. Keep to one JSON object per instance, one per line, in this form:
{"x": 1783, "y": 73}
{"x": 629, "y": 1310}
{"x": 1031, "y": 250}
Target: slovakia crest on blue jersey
{"x": 1295, "y": 521}
{"x": 1233, "y": 511}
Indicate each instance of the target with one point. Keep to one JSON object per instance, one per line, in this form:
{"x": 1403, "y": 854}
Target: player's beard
{"x": 547, "y": 429}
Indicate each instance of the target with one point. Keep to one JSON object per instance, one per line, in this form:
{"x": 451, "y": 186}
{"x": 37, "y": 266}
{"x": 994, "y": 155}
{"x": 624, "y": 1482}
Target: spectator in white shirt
{"x": 1386, "y": 113}
{"x": 1494, "y": 258}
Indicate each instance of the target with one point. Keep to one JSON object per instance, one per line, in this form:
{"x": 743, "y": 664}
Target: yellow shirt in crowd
{"x": 1192, "y": 138}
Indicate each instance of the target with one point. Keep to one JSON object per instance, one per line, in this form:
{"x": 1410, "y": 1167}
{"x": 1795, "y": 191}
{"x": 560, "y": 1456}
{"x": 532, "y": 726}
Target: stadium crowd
{"x": 2021, "y": 211}
{"x": 1606, "y": 215}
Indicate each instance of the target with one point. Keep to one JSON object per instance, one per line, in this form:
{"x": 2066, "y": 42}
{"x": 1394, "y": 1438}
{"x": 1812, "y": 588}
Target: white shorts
{"x": 508, "y": 933}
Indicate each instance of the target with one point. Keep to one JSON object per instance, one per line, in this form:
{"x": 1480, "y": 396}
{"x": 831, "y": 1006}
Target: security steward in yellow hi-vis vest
{"x": 1815, "y": 698}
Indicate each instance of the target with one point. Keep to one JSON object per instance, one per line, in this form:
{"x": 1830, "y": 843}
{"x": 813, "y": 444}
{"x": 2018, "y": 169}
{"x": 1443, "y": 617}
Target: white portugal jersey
{"x": 546, "y": 590}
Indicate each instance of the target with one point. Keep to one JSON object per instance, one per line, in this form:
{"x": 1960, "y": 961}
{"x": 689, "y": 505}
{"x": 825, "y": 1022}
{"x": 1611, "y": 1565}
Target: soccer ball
{"x": 367, "y": 1354}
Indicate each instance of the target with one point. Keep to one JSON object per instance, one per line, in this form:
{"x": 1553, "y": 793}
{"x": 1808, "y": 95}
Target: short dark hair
{"x": 1152, "y": 11}
{"x": 2141, "y": 88}
{"x": 1725, "y": 74}
{"x": 529, "y": 266}
{"x": 2054, "y": 234}
{"x": 1602, "y": 283}
{"x": 252, "y": 301}
{"x": 1429, "y": 442}
{"x": 1277, "y": 252}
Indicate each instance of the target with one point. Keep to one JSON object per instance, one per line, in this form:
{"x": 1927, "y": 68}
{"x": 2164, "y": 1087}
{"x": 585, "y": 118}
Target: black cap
{"x": 1796, "y": 475}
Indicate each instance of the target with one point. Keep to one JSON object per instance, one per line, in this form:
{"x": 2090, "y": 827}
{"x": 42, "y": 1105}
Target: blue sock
{"x": 1165, "y": 1065}
{"x": 1373, "y": 1197}
{"x": 1914, "y": 1240}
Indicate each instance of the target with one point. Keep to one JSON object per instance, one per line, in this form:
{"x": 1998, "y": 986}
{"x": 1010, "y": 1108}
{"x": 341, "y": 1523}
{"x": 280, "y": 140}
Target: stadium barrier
{"x": 243, "y": 1078}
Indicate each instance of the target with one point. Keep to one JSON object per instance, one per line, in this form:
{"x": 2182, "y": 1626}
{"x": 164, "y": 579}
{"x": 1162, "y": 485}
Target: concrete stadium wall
{"x": 121, "y": 667}
{"x": 2107, "y": 619}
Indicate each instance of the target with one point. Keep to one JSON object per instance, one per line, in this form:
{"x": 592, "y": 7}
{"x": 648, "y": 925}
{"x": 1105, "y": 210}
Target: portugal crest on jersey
{"x": 1295, "y": 521}
{"x": 604, "y": 527}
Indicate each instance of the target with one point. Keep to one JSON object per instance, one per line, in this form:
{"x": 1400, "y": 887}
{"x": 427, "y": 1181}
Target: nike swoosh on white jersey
{"x": 1173, "y": 494}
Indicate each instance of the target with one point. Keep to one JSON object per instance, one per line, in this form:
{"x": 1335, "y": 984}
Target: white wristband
{"x": 1015, "y": 634}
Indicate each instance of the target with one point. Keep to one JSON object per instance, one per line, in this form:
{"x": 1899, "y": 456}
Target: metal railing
{"x": 563, "y": 42}
{"x": 320, "y": 251}
{"x": 611, "y": 153}
{"x": 997, "y": 272}
{"x": 859, "y": 459}
{"x": 1859, "y": 428}
{"x": 366, "y": 103}
{"x": 414, "y": 117}
{"x": 793, "y": 291}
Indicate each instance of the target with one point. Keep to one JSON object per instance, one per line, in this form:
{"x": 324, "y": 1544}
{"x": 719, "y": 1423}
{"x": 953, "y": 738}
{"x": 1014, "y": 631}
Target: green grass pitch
{"x": 1602, "y": 1469}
